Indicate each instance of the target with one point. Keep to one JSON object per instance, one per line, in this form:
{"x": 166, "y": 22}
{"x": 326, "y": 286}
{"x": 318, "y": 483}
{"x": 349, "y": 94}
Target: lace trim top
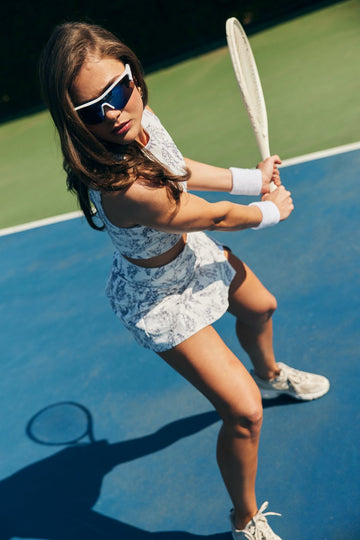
{"x": 141, "y": 242}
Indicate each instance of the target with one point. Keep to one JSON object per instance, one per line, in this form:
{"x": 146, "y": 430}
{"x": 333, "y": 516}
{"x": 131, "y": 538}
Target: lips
{"x": 122, "y": 128}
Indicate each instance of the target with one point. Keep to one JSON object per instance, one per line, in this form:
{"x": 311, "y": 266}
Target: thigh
{"x": 209, "y": 365}
{"x": 249, "y": 300}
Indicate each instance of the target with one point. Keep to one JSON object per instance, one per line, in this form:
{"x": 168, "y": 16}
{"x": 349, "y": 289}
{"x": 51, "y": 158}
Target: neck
{"x": 143, "y": 137}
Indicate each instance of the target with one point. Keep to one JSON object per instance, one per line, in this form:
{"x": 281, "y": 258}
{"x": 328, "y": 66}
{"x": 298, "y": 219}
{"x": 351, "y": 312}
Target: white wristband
{"x": 246, "y": 181}
{"x": 270, "y": 212}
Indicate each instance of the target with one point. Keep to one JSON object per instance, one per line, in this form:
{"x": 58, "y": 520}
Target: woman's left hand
{"x": 270, "y": 173}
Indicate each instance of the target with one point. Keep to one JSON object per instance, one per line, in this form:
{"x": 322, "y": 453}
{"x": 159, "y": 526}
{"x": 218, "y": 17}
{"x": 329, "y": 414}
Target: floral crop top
{"x": 141, "y": 242}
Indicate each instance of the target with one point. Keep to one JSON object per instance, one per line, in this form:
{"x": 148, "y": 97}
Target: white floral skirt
{"x": 165, "y": 305}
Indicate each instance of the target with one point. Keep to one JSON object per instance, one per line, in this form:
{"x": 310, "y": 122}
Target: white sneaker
{"x": 295, "y": 383}
{"x": 257, "y": 529}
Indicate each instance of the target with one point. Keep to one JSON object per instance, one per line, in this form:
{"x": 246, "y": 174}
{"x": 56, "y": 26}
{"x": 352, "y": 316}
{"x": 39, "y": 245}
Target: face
{"x": 120, "y": 126}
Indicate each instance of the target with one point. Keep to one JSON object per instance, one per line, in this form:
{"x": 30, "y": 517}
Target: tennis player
{"x": 169, "y": 280}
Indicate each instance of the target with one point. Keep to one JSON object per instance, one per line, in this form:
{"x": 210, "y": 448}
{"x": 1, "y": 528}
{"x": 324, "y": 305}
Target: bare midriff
{"x": 164, "y": 258}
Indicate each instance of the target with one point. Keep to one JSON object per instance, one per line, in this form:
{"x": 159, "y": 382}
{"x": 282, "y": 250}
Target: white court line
{"x": 40, "y": 223}
{"x": 286, "y": 163}
{"x": 321, "y": 154}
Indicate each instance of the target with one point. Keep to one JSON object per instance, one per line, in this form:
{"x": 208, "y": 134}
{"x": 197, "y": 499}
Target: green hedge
{"x": 158, "y": 30}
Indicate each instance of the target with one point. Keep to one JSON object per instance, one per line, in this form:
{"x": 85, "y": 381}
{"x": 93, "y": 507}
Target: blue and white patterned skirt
{"x": 165, "y": 305}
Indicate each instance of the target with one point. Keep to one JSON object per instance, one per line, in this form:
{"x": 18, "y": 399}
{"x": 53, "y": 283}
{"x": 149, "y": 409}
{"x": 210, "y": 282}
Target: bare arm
{"x": 150, "y": 206}
{"x": 205, "y": 177}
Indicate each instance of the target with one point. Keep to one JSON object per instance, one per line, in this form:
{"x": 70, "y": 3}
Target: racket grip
{"x": 272, "y": 184}
{"x": 263, "y": 144}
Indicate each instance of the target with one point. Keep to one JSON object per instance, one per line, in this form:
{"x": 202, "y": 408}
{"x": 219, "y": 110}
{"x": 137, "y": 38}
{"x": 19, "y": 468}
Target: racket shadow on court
{"x": 53, "y": 498}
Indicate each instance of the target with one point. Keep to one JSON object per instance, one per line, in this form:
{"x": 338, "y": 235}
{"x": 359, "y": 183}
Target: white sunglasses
{"x": 115, "y": 97}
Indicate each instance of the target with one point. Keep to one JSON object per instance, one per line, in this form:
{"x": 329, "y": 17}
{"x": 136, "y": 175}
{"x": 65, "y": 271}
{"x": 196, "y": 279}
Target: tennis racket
{"x": 248, "y": 79}
{"x": 62, "y": 423}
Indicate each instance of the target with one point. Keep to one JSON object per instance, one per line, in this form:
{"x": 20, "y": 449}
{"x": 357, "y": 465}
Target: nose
{"x": 110, "y": 112}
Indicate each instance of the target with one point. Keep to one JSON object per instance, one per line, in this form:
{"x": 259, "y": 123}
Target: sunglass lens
{"x": 117, "y": 98}
{"x": 120, "y": 94}
{"x": 91, "y": 115}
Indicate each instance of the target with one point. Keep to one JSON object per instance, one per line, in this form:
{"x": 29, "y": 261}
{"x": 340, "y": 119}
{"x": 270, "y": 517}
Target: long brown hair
{"x": 89, "y": 162}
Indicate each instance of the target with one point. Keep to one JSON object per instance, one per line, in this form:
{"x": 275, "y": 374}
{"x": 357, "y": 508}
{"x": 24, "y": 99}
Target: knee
{"x": 266, "y": 311}
{"x": 245, "y": 423}
{"x": 269, "y": 309}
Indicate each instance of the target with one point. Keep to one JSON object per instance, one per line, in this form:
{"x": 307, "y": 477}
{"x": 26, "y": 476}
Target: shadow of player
{"x": 53, "y": 498}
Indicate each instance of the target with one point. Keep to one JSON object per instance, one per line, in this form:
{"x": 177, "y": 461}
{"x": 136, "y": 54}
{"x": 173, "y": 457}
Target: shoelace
{"x": 264, "y": 507}
{"x": 260, "y": 516}
{"x": 292, "y": 375}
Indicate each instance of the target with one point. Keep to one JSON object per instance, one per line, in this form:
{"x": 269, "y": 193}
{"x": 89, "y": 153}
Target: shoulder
{"x": 149, "y": 115}
{"x": 145, "y": 196}
{"x": 149, "y": 118}
{"x": 139, "y": 204}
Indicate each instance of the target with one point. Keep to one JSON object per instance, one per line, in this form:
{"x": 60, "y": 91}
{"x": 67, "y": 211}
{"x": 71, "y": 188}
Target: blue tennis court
{"x": 151, "y": 470}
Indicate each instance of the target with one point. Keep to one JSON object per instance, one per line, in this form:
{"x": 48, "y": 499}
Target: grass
{"x": 309, "y": 70}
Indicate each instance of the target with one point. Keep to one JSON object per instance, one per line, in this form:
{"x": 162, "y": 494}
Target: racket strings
{"x": 248, "y": 77}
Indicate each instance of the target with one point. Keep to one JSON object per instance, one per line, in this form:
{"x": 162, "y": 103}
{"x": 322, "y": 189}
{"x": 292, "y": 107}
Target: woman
{"x": 169, "y": 281}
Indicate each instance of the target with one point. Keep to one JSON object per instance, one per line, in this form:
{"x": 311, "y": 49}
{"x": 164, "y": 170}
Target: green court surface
{"x": 309, "y": 70}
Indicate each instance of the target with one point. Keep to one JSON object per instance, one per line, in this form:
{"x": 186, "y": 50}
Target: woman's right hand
{"x": 282, "y": 198}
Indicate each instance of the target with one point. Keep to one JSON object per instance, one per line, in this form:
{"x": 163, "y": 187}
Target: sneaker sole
{"x": 269, "y": 394}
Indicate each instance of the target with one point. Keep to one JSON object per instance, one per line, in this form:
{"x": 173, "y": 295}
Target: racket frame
{"x": 248, "y": 79}
{"x": 87, "y": 432}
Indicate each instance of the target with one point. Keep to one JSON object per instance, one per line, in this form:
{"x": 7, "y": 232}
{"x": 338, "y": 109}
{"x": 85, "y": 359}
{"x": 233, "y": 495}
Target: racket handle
{"x": 263, "y": 145}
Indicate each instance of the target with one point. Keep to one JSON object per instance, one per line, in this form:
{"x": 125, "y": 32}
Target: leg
{"x": 206, "y": 362}
{"x": 253, "y": 305}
